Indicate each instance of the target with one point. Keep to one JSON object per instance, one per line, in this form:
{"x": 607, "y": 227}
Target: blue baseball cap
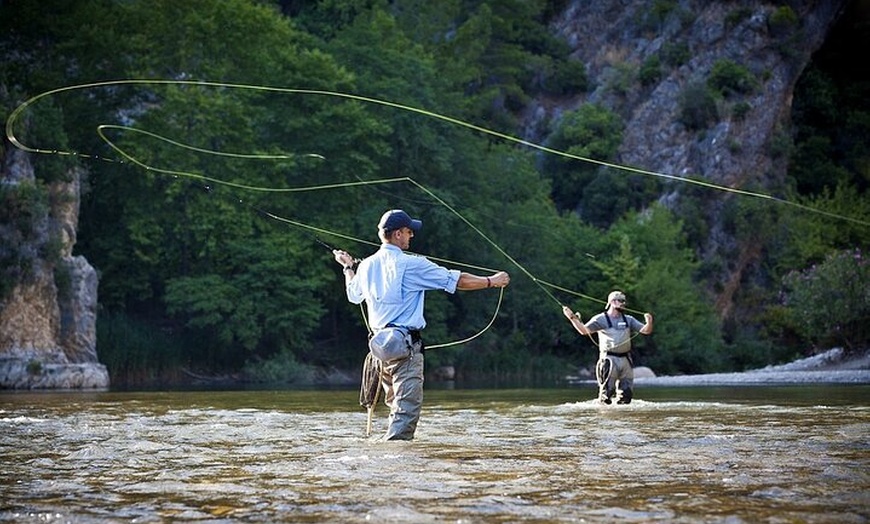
{"x": 396, "y": 218}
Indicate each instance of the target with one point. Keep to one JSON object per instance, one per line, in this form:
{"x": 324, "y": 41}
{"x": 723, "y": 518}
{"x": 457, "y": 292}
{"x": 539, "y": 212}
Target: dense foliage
{"x": 202, "y": 275}
{"x": 823, "y": 284}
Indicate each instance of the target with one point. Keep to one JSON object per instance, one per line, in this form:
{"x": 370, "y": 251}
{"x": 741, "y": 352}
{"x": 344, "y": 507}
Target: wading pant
{"x": 615, "y": 378}
{"x": 403, "y": 393}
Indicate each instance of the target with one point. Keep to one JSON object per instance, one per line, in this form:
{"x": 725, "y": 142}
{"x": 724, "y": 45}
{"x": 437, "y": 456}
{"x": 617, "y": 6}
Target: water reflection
{"x": 761, "y": 454}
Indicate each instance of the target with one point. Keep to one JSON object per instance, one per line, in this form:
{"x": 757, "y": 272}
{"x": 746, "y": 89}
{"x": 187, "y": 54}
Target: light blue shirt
{"x": 393, "y": 284}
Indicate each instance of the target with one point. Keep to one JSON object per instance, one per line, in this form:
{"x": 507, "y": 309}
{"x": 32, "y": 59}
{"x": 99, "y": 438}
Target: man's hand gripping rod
{"x": 337, "y": 252}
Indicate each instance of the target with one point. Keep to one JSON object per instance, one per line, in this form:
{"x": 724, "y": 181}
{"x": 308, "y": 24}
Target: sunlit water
{"x": 758, "y": 454}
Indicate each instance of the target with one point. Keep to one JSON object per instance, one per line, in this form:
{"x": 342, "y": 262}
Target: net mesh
{"x": 371, "y": 382}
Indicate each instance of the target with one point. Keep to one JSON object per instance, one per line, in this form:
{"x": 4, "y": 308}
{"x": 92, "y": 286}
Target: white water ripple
{"x": 769, "y": 455}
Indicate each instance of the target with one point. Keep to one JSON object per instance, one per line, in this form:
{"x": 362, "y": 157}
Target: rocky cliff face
{"x": 48, "y": 320}
{"x": 614, "y": 38}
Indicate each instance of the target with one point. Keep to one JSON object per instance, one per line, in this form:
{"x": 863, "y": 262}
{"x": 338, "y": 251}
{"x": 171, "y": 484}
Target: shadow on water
{"x": 677, "y": 454}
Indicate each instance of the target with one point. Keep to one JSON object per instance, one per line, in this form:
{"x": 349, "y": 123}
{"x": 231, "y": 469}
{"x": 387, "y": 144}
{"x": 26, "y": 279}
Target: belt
{"x": 613, "y": 354}
{"x": 416, "y": 334}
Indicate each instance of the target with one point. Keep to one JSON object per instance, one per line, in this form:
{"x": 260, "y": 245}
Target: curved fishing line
{"x": 565, "y": 154}
{"x": 263, "y": 189}
{"x": 374, "y": 244}
{"x": 257, "y": 156}
{"x": 351, "y": 238}
{"x": 124, "y": 154}
{"x": 133, "y": 160}
{"x": 14, "y": 115}
{"x": 485, "y": 237}
{"x": 316, "y": 229}
{"x": 481, "y": 332}
{"x": 130, "y": 158}
{"x": 359, "y": 182}
{"x": 570, "y": 292}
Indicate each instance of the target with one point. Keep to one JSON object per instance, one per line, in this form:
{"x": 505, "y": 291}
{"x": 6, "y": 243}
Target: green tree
{"x": 829, "y": 303}
{"x": 687, "y": 335}
{"x": 196, "y": 256}
{"x": 814, "y": 166}
{"x": 591, "y": 132}
{"x": 697, "y": 106}
{"x": 489, "y": 185}
{"x": 497, "y": 54}
{"x": 622, "y": 269}
{"x": 400, "y": 72}
{"x": 729, "y": 78}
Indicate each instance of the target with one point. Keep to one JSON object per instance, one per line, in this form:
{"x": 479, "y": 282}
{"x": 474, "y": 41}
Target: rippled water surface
{"x": 758, "y": 454}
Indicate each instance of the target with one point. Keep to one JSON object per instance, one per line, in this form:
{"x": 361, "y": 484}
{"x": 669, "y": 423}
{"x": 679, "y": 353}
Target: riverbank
{"x": 830, "y": 367}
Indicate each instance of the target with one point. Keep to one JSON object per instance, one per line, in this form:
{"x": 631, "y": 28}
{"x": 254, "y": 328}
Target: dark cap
{"x": 396, "y": 219}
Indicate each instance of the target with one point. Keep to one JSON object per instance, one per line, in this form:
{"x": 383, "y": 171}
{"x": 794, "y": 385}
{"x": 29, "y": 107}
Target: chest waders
{"x": 372, "y": 383}
{"x": 604, "y": 369}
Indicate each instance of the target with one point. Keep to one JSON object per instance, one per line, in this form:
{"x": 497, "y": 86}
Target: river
{"x": 691, "y": 454}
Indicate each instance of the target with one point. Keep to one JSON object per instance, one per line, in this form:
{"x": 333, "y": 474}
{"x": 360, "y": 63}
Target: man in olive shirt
{"x": 614, "y": 368}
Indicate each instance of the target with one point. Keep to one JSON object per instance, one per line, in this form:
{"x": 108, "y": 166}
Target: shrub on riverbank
{"x": 824, "y": 311}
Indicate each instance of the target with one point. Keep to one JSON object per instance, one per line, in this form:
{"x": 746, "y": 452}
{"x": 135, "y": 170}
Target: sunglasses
{"x": 620, "y": 300}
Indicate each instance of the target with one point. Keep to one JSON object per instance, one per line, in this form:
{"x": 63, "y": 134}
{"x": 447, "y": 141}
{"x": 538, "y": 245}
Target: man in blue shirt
{"x": 393, "y": 284}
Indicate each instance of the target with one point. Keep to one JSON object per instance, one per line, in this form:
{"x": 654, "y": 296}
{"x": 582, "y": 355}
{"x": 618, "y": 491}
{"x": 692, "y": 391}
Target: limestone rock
{"x": 47, "y": 328}
{"x": 643, "y": 372}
